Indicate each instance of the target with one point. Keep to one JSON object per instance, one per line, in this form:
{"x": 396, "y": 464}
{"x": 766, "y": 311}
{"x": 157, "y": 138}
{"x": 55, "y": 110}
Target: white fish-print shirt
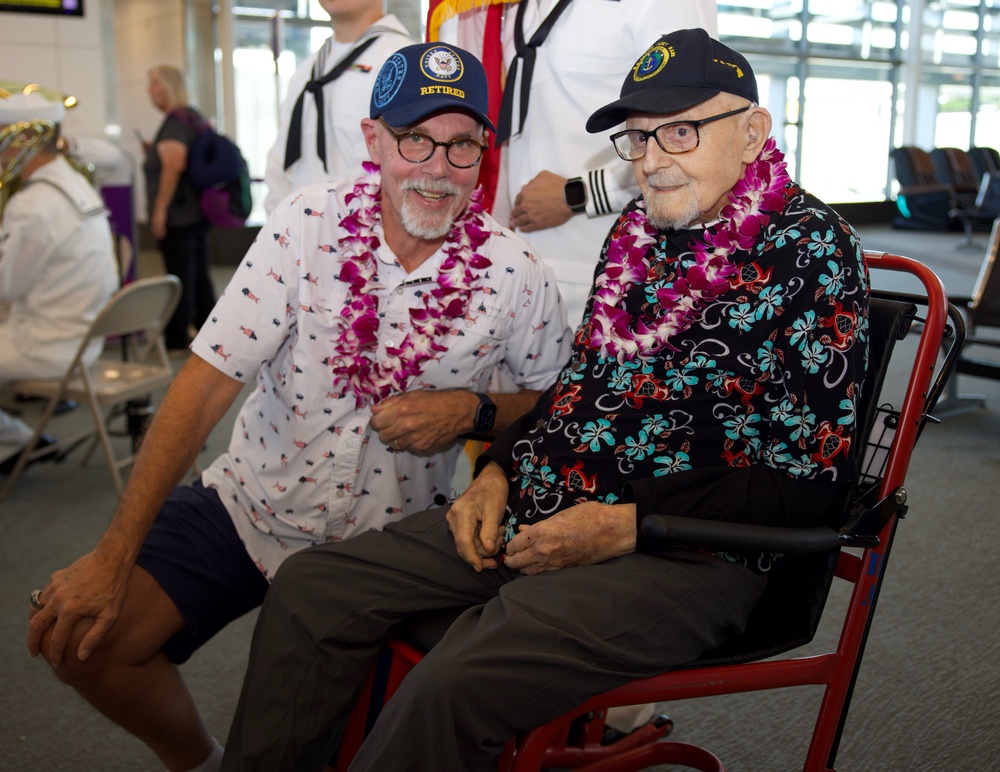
{"x": 303, "y": 465}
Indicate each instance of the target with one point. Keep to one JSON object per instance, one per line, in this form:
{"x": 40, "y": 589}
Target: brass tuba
{"x": 19, "y": 143}
{"x": 22, "y": 140}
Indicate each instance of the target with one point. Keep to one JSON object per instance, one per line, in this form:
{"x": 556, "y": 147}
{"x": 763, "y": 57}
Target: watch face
{"x": 485, "y": 416}
{"x": 574, "y": 193}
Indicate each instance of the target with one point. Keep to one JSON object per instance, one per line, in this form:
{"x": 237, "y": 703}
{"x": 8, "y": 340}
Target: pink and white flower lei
{"x": 354, "y": 365}
{"x": 614, "y": 331}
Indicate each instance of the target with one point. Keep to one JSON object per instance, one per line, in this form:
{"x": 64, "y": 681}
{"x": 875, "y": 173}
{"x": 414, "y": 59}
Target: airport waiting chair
{"x": 985, "y": 160}
{"x": 137, "y": 314}
{"x": 983, "y": 210}
{"x": 788, "y": 614}
{"x": 981, "y": 317}
{"x": 914, "y": 168}
{"x": 923, "y": 199}
{"x": 954, "y": 167}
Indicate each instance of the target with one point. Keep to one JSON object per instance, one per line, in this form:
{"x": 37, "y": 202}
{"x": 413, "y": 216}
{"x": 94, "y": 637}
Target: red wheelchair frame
{"x": 572, "y": 741}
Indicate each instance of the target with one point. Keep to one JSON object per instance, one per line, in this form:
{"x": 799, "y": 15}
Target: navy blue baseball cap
{"x": 680, "y": 70}
{"x": 427, "y": 77}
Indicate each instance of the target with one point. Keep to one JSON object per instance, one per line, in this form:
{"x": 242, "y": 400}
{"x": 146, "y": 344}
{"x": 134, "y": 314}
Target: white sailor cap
{"x": 30, "y": 107}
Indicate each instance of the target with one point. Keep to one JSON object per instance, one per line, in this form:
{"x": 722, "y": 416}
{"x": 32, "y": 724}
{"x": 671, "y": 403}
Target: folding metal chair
{"x": 136, "y": 313}
{"x": 788, "y": 614}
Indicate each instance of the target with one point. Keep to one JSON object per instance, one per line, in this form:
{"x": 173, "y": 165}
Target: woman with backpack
{"x": 175, "y": 216}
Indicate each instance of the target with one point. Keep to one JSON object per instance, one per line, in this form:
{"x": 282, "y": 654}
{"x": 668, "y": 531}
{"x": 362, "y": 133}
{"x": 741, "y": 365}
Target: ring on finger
{"x": 36, "y": 599}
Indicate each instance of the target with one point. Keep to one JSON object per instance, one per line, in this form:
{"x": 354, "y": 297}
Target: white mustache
{"x": 431, "y": 186}
{"x": 663, "y": 179}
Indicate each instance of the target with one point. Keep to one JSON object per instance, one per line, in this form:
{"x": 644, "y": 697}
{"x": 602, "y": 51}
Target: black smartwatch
{"x": 486, "y": 413}
{"x": 575, "y": 195}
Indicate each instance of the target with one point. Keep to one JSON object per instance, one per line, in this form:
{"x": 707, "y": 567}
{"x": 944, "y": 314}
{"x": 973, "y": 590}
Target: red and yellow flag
{"x": 480, "y": 24}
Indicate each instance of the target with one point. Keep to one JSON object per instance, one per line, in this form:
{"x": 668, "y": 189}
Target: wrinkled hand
{"x": 474, "y": 518}
{"x": 540, "y": 204}
{"x": 424, "y": 421}
{"x": 87, "y": 590}
{"x": 581, "y": 535}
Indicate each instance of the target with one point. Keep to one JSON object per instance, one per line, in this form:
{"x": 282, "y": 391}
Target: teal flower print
{"x": 594, "y": 433}
{"x": 741, "y": 317}
{"x": 834, "y": 282}
{"x": 670, "y": 463}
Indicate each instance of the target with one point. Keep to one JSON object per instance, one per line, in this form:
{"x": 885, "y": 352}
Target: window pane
{"x": 953, "y": 123}
{"x": 746, "y": 24}
{"x": 846, "y": 160}
{"x": 988, "y": 117}
{"x": 949, "y": 32}
{"x": 259, "y": 90}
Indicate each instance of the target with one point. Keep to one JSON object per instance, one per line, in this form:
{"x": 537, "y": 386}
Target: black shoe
{"x": 45, "y": 441}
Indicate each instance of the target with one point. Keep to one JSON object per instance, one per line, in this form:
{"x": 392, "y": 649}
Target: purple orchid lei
{"x": 355, "y": 367}
{"x": 614, "y": 332}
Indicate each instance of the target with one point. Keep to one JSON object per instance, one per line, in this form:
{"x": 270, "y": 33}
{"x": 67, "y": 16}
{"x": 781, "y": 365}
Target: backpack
{"x": 228, "y": 204}
{"x": 216, "y": 167}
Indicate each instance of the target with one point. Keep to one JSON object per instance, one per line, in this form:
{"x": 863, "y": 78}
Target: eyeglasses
{"x": 677, "y": 137}
{"x": 417, "y": 147}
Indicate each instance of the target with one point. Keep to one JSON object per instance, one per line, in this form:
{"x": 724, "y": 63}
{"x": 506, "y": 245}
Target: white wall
{"x": 66, "y": 53}
{"x": 146, "y": 32}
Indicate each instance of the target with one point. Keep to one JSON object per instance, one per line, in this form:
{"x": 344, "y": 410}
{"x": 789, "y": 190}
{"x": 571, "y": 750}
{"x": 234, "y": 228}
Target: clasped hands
{"x": 582, "y": 534}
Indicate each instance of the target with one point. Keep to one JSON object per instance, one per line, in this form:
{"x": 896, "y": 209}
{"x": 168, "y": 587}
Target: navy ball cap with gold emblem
{"x": 427, "y": 77}
{"x": 680, "y": 70}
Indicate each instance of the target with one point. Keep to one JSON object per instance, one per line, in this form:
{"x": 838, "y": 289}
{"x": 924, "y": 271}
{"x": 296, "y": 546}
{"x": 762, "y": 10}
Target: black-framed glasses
{"x": 676, "y": 137}
{"x": 417, "y": 147}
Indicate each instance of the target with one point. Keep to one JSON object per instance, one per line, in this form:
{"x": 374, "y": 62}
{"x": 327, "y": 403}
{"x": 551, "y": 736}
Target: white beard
{"x": 657, "y": 214}
{"x": 420, "y": 223}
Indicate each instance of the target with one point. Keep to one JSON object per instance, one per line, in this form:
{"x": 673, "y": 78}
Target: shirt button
{"x": 340, "y": 493}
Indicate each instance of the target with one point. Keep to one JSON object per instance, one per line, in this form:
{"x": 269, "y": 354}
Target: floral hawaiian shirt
{"x": 769, "y": 374}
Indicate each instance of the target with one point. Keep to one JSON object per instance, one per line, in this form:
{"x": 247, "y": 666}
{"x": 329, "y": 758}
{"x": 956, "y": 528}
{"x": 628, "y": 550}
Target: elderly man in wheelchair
{"x": 716, "y": 375}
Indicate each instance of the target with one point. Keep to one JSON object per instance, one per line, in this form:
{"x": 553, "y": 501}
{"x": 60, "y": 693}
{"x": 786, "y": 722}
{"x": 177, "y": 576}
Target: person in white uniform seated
{"x": 57, "y": 262}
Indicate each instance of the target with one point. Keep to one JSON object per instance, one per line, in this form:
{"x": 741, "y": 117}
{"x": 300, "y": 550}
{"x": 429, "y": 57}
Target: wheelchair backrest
{"x": 788, "y": 613}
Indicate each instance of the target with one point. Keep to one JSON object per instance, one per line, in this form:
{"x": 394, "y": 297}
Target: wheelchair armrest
{"x": 670, "y": 530}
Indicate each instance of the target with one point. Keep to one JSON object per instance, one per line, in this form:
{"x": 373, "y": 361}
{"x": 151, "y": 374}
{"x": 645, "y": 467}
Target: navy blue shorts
{"x": 195, "y": 554}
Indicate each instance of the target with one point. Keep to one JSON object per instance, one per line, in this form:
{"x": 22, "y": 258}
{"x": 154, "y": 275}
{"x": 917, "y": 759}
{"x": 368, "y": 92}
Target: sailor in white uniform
{"x": 57, "y": 264}
{"x": 339, "y": 77}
